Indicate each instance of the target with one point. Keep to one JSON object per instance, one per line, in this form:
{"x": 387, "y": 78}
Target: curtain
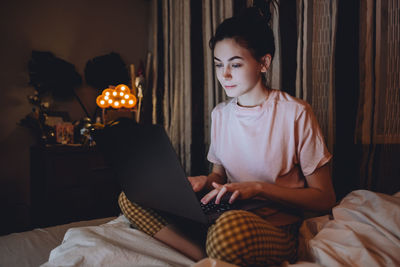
{"x": 167, "y": 99}
{"x": 315, "y": 61}
{"x": 379, "y": 110}
{"x": 177, "y": 77}
{"x": 214, "y": 12}
{"x": 378, "y": 120}
{"x": 274, "y": 74}
{"x": 175, "y": 68}
{"x": 152, "y": 74}
{"x": 350, "y": 76}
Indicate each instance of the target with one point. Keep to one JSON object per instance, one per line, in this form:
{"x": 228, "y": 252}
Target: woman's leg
{"x": 153, "y": 224}
{"x": 245, "y": 239}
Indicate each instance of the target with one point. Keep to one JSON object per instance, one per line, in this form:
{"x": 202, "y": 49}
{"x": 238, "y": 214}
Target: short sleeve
{"x": 212, "y": 153}
{"x": 311, "y": 148}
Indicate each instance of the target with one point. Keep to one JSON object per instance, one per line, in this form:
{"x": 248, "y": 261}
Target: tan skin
{"x": 318, "y": 196}
{"x": 240, "y": 75}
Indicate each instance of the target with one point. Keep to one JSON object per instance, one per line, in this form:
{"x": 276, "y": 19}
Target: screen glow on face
{"x": 237, "y": 70}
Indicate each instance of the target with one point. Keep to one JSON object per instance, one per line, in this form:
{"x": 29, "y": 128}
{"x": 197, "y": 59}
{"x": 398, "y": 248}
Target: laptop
{"x": 150, "y": 173}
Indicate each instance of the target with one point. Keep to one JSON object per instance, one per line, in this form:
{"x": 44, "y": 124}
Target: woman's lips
{"x": 229, "y": 86}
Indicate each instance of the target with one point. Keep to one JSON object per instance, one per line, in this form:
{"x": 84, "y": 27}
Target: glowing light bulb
{"x": 116, "y": 97}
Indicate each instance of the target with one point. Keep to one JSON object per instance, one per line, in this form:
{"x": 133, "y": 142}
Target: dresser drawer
{"x": 71, "y": 184}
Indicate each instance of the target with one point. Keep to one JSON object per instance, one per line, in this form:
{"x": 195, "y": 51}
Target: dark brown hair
{"x": 250, "y": 29}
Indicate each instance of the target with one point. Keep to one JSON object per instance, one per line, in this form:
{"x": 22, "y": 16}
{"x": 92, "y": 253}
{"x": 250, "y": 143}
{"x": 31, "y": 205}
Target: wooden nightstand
{"x": 70, "y": 183}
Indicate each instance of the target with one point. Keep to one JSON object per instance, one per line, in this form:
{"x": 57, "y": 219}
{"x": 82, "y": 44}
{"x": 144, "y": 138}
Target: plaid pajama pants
{"x": 238, "y": 237}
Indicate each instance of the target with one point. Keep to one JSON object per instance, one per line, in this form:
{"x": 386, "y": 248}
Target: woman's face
{"x": 237, "y": 70}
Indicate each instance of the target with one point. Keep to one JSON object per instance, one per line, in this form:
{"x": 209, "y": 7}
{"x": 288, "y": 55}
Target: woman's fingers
{"x": 197, "y": 182}
{"x": 220, "y": 194}
{"x": 195, "y": 185}
{"x": 209, "y": 196}
{"x": 234, "y": 196}
{"x": 217, "y": 185}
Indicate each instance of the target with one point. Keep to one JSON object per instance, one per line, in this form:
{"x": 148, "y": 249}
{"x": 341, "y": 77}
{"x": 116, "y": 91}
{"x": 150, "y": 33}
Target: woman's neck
{"x": 254, "y": 97}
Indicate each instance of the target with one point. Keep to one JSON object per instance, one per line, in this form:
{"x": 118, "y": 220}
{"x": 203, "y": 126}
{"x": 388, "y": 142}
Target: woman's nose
{"x": 227, "y": 73}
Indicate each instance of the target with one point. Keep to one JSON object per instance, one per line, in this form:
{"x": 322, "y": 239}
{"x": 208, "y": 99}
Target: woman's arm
{"x": 318, "y": 196}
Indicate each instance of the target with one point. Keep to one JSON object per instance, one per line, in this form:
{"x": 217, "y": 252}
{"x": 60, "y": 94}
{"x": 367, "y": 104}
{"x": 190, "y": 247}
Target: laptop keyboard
{"x": 211, "y": 207}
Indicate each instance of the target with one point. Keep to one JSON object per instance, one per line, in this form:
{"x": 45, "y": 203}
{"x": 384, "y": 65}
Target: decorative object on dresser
{"x": 116, "y": 102}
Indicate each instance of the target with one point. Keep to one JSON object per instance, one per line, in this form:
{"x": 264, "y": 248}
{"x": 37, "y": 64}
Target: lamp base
{"x": 110, "y": 114}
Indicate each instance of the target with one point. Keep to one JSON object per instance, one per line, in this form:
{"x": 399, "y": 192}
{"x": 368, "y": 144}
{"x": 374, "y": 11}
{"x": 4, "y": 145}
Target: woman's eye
{"x": 218, "y": 65}
{"x": 236, "y": 65}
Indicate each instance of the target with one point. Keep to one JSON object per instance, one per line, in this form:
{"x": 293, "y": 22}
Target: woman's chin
{"x": 230, "y": 93}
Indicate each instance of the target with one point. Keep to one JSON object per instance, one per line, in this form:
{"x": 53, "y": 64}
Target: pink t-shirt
{"x": 278, "y": 141}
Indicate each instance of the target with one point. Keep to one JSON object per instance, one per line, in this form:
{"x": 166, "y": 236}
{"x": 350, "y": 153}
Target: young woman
{"x": 265, "y": 144}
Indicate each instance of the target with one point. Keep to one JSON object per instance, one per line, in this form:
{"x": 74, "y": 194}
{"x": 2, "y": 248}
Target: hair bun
{"x": 250, "y": 29}
{"x": 263, "y": 9}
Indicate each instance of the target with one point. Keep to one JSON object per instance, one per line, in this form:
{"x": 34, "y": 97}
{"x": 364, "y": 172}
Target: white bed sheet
{"x": 364, "y": 230}
{"x": 32, "y": 248}
{"x": 113, "y": 244}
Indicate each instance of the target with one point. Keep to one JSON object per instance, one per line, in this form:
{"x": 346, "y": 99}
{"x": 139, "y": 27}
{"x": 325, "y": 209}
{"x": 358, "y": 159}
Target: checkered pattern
{"x": 143, "y": 219}
{"x": 245, "y": 239}
{"x": 237, "y": 237}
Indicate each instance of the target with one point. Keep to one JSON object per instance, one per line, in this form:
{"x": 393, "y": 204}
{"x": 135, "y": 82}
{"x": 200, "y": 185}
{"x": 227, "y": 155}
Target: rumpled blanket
{"x": 113, "y": 244}
{"x": 365, "y": 231}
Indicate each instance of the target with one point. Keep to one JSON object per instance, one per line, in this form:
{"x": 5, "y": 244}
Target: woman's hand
{"x": 204, "y": 182}
{"x": 198, "y": 182}
{"x": 244, "y": 190}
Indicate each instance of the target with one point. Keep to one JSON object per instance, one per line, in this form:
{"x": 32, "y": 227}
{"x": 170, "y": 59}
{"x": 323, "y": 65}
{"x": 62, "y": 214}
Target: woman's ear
{"x": 265, "y": 62}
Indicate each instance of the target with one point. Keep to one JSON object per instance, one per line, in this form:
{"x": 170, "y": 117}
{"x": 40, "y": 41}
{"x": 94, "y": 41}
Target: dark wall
{"x": 75, "y": 31}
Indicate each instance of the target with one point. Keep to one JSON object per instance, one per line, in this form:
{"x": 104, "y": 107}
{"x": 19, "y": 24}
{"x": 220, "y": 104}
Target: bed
{"x": 363, "y": 230}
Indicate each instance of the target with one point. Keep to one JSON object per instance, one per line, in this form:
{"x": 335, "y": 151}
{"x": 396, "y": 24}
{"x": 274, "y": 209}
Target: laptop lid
{"x": 148, "y": 168}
